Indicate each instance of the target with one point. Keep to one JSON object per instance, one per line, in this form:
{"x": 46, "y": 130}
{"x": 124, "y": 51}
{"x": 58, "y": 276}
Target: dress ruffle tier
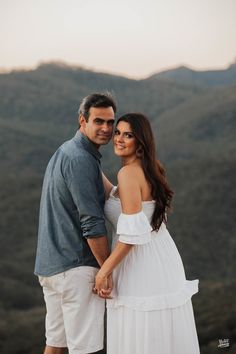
{"x": 158, "y": 302}
{"x": 134, "y": 229}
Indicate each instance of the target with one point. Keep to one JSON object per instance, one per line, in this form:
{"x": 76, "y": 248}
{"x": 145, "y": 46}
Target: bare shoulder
{"x": 129, "y": 172}
{"x": 131, "y": 180}
{"x": 129, "y": 189}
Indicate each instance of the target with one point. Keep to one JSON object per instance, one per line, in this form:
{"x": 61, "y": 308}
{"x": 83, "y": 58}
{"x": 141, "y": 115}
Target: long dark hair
{"x": 153, "y": 170}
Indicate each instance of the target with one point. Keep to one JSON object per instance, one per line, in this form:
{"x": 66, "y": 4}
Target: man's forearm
{"x": 99, "y": 247}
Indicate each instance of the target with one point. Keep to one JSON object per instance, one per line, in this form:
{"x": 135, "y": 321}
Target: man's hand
{"x": 103, "y": 285}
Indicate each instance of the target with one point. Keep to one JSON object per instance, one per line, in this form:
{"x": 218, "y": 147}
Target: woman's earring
{"x": 139, "y": 152}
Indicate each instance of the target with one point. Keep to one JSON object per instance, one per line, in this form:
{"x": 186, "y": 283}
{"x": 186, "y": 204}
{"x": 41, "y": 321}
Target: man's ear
{"x": 82, "y": 120}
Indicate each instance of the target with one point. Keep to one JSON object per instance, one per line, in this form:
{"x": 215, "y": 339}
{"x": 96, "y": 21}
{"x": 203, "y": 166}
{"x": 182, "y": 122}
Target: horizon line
{"x": 64, "y": 63}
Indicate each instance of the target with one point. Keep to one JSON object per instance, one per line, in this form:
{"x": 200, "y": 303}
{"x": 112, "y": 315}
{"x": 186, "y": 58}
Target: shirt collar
{"x": 87, "y": 144}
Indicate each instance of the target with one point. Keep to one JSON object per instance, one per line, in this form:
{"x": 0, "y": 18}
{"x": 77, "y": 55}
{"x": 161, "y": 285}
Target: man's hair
{"x": 96, "y": 100}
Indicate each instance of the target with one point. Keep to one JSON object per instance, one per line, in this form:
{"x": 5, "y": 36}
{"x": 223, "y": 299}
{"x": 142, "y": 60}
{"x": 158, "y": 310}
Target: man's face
{"x": 99, "y": 126}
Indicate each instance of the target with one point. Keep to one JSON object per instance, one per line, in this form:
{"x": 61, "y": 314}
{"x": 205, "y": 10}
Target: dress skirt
{"x": 168, "y": 331}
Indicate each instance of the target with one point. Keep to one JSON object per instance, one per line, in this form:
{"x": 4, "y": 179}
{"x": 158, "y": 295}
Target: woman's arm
{"x": 103, "y": 284}
{"x": 131, "y": 201}
{"x": 107, "y": 185}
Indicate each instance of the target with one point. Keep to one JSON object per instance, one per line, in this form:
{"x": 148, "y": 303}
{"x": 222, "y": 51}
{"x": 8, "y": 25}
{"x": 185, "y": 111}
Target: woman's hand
{"x": 103, "y": 285}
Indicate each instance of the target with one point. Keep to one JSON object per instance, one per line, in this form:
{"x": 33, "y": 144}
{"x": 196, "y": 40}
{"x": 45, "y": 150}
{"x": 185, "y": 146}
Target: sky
{"x": 134, "y": 38}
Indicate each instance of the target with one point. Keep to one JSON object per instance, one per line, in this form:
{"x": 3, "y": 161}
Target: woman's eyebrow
{"x": 124, "y": 132}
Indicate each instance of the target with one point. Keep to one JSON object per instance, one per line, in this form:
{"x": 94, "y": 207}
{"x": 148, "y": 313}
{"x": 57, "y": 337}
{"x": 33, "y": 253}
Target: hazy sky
{"x": 130, "y": 37}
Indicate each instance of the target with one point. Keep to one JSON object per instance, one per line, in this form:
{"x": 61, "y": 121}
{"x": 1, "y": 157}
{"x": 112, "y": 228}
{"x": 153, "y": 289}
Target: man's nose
{"x": 106, "y": 127}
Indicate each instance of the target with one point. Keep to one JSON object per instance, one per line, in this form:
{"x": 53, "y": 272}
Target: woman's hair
{"x": 153, "y": 170}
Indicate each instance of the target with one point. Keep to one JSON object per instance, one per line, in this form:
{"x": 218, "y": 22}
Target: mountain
{"x": 197, "y": 141}
{"x": 53, "y": 92}
{"x": 207, "y": 78}
{"x": 205, "y": 122}
{"x": 194, "y": 122}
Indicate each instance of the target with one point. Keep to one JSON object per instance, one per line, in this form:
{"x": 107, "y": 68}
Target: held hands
{"x": 103, "y": 285}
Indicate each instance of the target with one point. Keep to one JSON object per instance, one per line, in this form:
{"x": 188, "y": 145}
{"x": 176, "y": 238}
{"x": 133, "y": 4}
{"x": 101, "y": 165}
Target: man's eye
{"x": 98, "y": 121}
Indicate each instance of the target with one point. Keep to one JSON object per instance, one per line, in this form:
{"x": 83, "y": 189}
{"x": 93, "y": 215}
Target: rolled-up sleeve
{"x": 83, "y": 178}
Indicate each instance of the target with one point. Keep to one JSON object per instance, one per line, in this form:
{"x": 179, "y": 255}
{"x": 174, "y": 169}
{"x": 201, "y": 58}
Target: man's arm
{"x": 82, "y": 175}
{"x": 99, "y": 247}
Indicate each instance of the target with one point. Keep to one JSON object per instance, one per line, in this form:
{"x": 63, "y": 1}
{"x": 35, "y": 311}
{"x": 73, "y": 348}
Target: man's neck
{"x": 81, "y": 130}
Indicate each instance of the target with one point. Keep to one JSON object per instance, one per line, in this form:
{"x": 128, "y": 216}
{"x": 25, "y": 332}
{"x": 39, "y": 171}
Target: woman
{"x": 149, "y": 310}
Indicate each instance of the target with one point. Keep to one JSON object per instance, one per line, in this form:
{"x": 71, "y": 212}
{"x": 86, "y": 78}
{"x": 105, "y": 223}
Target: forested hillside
{"x": 194, "y": 121}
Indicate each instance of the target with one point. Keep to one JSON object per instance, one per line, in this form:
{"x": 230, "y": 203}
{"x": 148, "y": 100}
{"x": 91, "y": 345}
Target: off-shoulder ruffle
{"x": 134, "y": 229}
{"x": 159, "y": 302}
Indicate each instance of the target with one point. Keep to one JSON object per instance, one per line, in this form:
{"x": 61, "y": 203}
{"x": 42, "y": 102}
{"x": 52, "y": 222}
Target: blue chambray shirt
{"x": 71, "y": 208}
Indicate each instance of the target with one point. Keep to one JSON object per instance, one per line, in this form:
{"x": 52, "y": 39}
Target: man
{"x": 72, "y": 241}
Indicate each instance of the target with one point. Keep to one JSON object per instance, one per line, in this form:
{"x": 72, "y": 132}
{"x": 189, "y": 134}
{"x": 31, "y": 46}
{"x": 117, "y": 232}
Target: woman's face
{"x": 125, "y": 143}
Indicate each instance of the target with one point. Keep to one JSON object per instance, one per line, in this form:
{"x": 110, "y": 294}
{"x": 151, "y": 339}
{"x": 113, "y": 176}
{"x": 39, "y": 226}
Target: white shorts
{"x": 75, "y": 315}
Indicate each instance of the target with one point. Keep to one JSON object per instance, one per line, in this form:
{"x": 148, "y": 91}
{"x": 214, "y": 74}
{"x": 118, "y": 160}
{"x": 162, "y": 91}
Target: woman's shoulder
{"x": 132, "y": 180}
{"x": 129, "y": 171}
{"x": 130, "y": 188}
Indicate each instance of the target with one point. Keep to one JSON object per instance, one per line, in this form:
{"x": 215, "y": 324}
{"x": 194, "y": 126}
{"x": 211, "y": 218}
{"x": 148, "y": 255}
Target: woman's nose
{"x": 119, "y": 138}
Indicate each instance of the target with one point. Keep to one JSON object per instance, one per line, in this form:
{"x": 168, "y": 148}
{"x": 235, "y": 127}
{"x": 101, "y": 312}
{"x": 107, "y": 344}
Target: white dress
{"x": 151, "y": 310}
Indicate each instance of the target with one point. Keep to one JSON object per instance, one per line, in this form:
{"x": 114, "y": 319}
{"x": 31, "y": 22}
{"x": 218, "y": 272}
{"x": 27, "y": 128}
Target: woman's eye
{"x": 128, "y": 135}
{"x": 116, "y": 132}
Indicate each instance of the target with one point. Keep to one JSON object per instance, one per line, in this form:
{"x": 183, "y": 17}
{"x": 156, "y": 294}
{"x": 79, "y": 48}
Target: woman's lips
{"x": 119, "y": 146}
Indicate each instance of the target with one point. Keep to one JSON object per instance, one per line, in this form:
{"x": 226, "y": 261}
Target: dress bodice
{"x": 113, "y": 209}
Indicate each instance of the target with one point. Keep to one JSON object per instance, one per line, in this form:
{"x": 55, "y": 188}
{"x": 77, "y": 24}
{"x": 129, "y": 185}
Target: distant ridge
{"x": 179, "y": 73}
{"x": 206, "y": 78}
